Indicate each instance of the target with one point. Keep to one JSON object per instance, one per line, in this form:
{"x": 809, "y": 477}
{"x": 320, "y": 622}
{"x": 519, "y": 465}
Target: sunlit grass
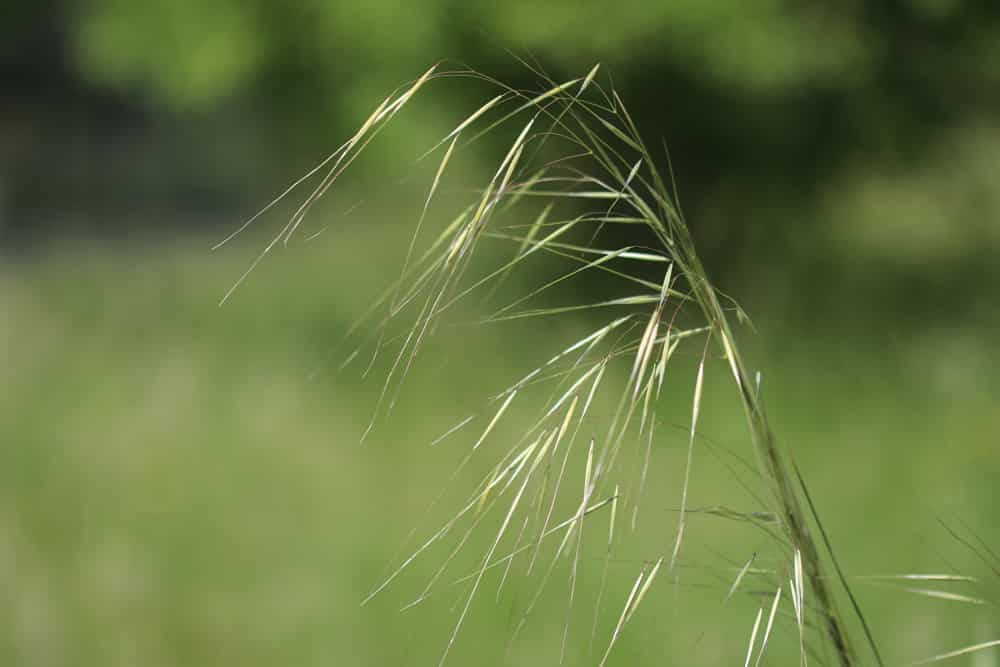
{"x": 576, "y": 148}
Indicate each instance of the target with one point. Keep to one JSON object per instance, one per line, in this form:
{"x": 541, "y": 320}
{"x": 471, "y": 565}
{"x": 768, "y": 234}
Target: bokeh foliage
{"x": 801, "y": 131}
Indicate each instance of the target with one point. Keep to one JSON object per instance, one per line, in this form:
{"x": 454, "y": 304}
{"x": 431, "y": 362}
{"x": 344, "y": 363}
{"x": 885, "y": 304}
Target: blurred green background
{"x": 182, "y": 484}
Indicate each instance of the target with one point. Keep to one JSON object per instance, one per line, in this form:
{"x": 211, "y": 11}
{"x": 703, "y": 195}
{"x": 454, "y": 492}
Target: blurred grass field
{"x": 182, "y": 484}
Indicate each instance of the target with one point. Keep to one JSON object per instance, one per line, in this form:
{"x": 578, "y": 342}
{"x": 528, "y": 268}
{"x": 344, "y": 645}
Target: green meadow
{"x": 185, "y": 484}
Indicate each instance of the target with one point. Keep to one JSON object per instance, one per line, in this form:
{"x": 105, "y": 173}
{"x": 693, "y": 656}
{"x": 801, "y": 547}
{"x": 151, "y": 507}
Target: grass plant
{"x": 576, "y": 179}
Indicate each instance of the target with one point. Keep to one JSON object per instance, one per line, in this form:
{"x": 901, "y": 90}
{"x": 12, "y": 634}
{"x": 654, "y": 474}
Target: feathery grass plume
{"x": 577, "y": 146}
